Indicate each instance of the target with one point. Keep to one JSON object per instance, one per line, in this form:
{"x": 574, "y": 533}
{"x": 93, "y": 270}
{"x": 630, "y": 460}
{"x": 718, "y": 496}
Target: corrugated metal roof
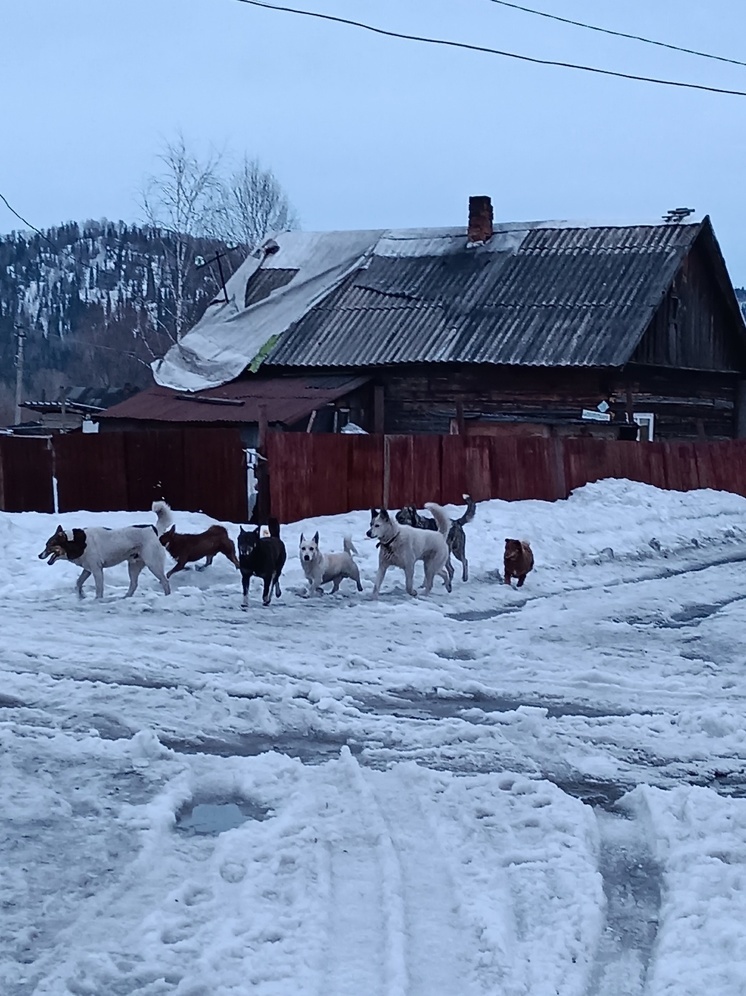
{"x": 544, "y": 296}
{"x": 287, "y": 400}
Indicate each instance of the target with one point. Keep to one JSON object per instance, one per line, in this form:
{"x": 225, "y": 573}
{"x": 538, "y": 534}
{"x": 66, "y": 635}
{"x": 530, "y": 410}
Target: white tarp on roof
{"x": 229, "y": 336}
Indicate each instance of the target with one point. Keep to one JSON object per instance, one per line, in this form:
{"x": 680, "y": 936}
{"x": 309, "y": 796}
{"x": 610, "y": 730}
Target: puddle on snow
{"x": 212, "y": 818}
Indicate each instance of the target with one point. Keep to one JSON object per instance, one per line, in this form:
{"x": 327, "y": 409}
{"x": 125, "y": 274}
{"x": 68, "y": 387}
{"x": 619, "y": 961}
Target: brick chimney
{"x": 480, "y": 220}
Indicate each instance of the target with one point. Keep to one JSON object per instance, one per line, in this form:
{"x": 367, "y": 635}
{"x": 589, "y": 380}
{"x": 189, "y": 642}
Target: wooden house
{"x": 537, "y": 328}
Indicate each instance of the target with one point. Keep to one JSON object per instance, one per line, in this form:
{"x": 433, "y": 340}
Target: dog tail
{"x": 349, "y": 546}
{"x": 471, "y": 511}
{"x": 274, "y": 527}
{"x": 162, "y": 512}
{"x": 444, "y": 523}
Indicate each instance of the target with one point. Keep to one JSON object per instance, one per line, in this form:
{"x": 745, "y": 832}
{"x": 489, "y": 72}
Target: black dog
{"x": 261, "y": 556}
{"x": 409, "y": 516}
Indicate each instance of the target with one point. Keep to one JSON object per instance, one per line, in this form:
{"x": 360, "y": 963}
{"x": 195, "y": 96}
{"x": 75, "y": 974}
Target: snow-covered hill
{"x": 98, "y": 302}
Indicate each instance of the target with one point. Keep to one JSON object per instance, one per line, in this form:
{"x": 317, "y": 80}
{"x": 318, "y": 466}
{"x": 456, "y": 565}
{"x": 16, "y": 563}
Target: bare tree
{"x": 184, "y": 200}
{"x": 252, "y": 205}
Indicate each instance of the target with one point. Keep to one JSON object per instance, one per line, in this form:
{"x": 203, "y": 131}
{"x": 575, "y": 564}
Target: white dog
{"x": 403, "y": 546}
{"x": 95, "y": 548}
{"x": 320, "y": 568}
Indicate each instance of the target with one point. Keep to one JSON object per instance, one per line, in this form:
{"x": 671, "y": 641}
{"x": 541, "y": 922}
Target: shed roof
{"x": 538, "y": 294}
{"x": 287, "y": 400}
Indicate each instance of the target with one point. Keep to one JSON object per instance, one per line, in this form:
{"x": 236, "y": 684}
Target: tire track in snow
{"x": 633, "y": 895}
{"x": 363, "y": 898}
{"x": 434, "y": 940}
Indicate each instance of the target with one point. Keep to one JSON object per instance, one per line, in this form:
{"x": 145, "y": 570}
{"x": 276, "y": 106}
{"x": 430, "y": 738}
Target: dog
{"x": 263, "y": 556}
{"x": 456, "y": 539}
{"x": 93, "y": 549}
{"x": 402, "y": 546}
{"x": 321, "y": 568}
{"x": 518, "y": 560}
{"x": 185, "y": 548}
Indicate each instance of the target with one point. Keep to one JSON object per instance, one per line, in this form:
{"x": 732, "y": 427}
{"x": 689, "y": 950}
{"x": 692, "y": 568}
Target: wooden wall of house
{"x": 687, "y": 404}
{"x": 425, "y": 398}
{"x": 693, "y": 327}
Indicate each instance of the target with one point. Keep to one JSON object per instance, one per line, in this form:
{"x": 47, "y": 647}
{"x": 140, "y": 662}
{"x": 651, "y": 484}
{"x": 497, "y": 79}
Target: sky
{"x": 366, "y": 131}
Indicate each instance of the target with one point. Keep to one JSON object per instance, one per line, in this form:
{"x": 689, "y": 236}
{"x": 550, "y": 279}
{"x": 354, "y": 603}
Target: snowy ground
{"x": 527, "y": 793}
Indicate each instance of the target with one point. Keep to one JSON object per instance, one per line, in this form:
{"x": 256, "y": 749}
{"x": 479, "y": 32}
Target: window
{"x": 646, "y": 421}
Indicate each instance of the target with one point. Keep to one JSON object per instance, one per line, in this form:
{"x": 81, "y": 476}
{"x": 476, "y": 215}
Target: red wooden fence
{"x": 26, "y": 474}
{"x": 324, "y": 474}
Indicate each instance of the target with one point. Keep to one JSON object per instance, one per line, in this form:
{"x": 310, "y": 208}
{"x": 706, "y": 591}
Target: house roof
{"x": 287, "y": 400}
{"x": 539, "y": 294}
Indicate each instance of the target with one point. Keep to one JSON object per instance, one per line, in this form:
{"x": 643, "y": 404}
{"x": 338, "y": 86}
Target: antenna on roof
{"x": 677, "y": 214}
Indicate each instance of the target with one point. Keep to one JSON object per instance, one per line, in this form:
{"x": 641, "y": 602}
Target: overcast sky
{"x": 366, "y": 131}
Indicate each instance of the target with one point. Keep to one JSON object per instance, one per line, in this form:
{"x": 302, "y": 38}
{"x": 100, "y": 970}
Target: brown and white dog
{"x": 518, "y": 560}
{"x": 95, "y": 548}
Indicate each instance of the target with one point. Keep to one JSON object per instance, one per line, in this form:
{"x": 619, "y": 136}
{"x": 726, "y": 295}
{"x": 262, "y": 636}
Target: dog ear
{"x": 301, "y": 540}
{"x": 59, "y": 530}
{"x": 373, "y": 513}
{"x": 316, "y": 538}
{"x": 79, "y": 536}
{"x": 384, "y": 514}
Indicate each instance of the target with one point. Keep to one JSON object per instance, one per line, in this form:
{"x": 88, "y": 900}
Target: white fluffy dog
{"x": 403, "y": 546}
{"x": 321, "y": 568}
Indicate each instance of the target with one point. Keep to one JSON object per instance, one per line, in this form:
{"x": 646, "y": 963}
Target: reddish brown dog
{"x": 519, "y": 560}
{"x": 188, "y": 547}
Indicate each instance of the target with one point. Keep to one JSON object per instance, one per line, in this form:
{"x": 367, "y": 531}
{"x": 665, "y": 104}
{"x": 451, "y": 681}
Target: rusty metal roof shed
{"x": 286, "y": 401}
{"x": 562, "y": 296}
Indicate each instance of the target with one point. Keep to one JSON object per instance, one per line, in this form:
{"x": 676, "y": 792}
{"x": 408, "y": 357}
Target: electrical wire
{"x": 492, "y": 51}
{"x": 618, "y": 34}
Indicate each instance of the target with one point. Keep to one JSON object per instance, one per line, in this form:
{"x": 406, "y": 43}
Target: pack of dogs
{"x": 403, "y": 539}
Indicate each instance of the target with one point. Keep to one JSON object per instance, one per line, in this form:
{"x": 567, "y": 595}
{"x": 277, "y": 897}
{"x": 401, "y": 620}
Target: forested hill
{"x": 97, "y": 301}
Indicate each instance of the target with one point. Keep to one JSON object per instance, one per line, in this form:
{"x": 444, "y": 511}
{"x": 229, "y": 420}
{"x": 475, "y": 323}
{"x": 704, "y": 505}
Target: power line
{"x": 619, "y": 34}
{"x": 492, "y": 51}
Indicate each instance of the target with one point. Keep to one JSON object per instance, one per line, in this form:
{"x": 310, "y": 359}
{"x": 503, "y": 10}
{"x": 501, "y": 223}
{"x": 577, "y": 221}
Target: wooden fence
{"x": 192, "y": 469}
{"x": 313, "y": 474}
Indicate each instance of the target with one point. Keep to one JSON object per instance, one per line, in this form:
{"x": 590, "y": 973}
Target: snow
{"x": 531, "y": 792}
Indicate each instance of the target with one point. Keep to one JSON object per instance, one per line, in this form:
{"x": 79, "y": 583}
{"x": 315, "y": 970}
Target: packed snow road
{"x": 493, "y": 792}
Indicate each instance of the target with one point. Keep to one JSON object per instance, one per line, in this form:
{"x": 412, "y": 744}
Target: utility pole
{"x": 20, "y": 338}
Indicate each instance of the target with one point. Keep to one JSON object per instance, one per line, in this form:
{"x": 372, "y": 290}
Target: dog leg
{"x": 98, "y": 578}
{"x": 379, "y": 580}
{"x": 134, "y": 567}
{"x": 521, "y": 579}
{"x": 245, "y": 579}
{"x": 409, "y": 580}
{"x": 447, "y": 579}
{"x": 335, "y": 585}
{"x": 267, "y": 593}
{"x": 177, "y": 567}
{"x": 85, "y": 574}
{"x": 464, "y": 568}
{"x": 278, "y": 590}
{"x": 507, "y": 578}
{"x": 355, "y": 576}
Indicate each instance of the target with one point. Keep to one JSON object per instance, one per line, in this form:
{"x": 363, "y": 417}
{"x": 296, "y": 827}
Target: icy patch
{"x": 216, "y": 817}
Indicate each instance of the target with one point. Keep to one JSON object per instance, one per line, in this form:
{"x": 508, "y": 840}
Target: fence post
{"x": 386, "y": 471}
